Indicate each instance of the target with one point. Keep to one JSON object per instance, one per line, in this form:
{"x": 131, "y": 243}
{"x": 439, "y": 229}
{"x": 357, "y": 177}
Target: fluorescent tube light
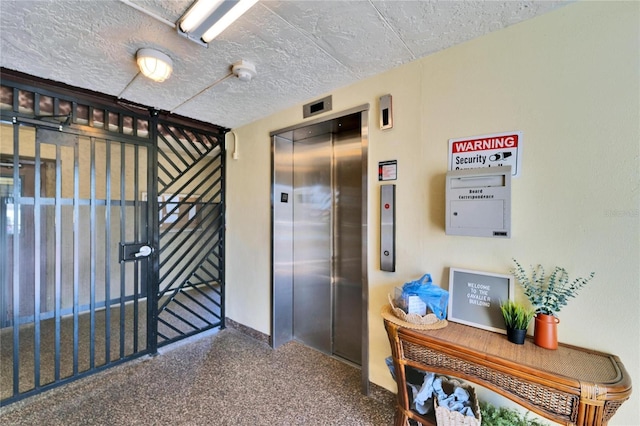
{"x": 229, "y": 18}
{"x": 206, "y": 19}
{"x": 197, "y": 13}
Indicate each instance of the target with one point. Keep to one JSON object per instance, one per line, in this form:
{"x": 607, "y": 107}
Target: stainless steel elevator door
{"x": 312, "y": 251}
{"x": 319, "y": 237}
{"x": 347, "y": 245}
{"x": 282, "y": 294}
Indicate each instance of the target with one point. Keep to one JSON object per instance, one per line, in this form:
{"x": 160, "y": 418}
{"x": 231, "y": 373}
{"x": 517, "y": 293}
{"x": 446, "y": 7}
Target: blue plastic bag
{"x": 435, "y": 297}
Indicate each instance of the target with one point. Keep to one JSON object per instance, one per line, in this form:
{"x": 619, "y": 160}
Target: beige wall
{"x": 569, "y": 81}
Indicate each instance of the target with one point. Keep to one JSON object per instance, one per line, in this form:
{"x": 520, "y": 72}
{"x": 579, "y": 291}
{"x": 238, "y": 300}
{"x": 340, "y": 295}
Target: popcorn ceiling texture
{"x": 301, "y": 49}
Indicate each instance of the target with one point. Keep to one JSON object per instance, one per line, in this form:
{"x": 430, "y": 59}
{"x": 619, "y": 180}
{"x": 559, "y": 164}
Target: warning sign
{"x": 500, "y": 149}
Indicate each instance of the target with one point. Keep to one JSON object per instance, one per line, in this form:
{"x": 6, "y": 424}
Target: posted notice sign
{"x": 500, "y": 149}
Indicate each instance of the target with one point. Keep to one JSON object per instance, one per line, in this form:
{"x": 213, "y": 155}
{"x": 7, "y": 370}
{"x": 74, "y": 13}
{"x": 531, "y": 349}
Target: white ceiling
{"x": 301, "y": 49}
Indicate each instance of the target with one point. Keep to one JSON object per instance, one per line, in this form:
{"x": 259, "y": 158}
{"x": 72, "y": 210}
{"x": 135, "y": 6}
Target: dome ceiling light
{"x": 154, "y": 64}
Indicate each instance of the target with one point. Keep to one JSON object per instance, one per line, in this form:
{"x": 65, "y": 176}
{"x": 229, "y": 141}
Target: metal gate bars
{"x": 191, "y": 224}
{"x": 85, "y": 184}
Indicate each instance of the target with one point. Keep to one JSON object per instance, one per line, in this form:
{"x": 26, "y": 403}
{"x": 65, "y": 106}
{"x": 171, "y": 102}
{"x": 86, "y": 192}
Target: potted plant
{"x": 516, "y": 319}
{"x": 548, "y": 295}
{"x": 503, "y": 416}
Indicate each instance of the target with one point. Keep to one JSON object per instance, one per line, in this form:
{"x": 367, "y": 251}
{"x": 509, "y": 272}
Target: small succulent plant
{"x": 516, "y": 316}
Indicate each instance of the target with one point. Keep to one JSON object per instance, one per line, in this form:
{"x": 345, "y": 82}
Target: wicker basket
{"x": 446, "y": 417}
{"x": 429, "y": 319}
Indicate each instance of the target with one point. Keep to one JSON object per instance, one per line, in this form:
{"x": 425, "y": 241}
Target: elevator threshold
{"x": 334, "y": 356}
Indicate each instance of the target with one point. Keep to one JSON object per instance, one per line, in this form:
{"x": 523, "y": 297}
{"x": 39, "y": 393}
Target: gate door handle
{"x": 144, "y": 251}
{"x": 134, "y": 251}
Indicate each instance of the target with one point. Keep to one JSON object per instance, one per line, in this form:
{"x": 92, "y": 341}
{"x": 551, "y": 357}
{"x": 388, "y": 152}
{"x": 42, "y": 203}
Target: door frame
{"x": 281, "y": 319}
{"x": 24, "y": 174}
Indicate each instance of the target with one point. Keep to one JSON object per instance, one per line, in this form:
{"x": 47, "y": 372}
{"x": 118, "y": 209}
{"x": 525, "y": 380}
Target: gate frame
{"x": 108, "y": 104}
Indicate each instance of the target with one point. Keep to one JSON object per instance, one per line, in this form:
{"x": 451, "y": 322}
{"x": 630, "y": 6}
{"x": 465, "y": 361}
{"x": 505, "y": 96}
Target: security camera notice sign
{"x": 499, "y": 149}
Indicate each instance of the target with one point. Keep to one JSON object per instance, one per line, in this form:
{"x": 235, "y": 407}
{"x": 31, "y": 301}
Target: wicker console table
{"x": 570, "y": 385}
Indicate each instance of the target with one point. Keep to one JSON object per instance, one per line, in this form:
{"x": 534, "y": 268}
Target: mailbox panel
{"x": 472, "y": 214}
{"x": 478, "y": 202}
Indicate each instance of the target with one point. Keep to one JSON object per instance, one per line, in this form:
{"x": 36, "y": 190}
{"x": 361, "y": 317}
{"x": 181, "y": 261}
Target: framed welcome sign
{"x": 475, "y": 298}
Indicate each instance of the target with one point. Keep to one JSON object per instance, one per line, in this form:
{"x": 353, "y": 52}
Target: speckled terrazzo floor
{"x": 223, "y": 378}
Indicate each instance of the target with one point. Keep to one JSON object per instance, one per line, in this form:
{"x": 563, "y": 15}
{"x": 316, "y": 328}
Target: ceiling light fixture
{"x": 154, "y": 64}
{"x": 206, "y": 19}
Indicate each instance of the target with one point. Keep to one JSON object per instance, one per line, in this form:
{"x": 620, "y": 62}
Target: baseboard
{"x": 264, "y": 338}
{"x": 379, "y": 393}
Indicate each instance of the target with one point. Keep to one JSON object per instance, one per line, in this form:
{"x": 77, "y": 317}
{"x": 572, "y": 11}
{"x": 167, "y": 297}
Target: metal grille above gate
{"x": 191, "y": 247}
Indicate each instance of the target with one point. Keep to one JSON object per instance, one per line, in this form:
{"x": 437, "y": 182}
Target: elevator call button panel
{"x": 388, "y": 228}
{"x": 478, "y": 202}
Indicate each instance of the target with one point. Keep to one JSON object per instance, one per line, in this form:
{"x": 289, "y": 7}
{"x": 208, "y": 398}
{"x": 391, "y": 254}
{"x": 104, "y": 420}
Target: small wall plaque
{"x": 388, "y": 170}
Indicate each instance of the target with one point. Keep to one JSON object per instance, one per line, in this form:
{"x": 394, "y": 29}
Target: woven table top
{"x": 568, "y": 361}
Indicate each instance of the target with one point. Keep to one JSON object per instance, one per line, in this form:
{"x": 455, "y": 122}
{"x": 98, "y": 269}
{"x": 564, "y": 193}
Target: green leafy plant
{"x": 494, "y": 416}
{"x": 548, "y": 294}
{"x": 516, "y": 316}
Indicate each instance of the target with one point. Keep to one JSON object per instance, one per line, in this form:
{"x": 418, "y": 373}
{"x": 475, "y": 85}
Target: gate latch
{"x": 134, "y": 251}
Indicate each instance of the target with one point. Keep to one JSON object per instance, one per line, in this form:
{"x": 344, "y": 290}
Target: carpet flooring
{"x": 220, "y": 378}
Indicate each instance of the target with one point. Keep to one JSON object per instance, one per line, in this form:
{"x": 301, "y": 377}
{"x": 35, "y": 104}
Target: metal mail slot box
{"x": 478, "y": 202}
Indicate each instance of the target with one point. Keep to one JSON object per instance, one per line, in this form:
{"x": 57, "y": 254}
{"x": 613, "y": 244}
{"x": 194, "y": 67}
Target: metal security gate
{"x": 111, "y": 234}
{"x": 191, "y": 255}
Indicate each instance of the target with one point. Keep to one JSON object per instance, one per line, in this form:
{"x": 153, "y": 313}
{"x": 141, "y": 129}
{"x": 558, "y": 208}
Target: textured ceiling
{"x": 301, "y": 49}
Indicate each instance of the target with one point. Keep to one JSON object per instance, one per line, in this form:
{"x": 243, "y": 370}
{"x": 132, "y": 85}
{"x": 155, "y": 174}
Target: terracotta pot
{"x": 545, "y": 332}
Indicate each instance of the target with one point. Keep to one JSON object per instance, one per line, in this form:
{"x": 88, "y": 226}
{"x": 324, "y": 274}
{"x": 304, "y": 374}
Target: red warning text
{"x": 502, "y": 142}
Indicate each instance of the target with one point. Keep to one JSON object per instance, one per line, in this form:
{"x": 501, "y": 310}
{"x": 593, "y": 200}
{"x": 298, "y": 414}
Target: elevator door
{"x": 312, "y": 276}
{"x": 318, "y": 237}
{"x": 347, "y": 245}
